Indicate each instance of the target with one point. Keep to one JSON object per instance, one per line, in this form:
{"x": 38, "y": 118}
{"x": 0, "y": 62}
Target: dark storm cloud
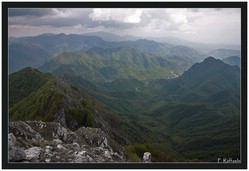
{"x": 30, "y": 12}
{"x": 49, "y": 17}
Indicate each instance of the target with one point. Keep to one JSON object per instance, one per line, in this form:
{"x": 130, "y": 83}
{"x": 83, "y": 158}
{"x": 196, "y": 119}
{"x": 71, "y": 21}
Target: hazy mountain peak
{"x": 210, "y": 59}
{"x": 210, "y": 66}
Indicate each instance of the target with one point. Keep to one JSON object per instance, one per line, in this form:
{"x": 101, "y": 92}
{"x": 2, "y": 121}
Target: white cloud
{"x": 118, "y": 15}
{"x": 99, "y": 14}
{"x": 179, "y": 19}
{"x": 135, "y": 17}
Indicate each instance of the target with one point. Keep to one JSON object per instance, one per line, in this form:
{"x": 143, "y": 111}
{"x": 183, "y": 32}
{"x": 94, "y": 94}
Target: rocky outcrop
{"x": 147, "y": 157}
{"x": 22, "y": 129}
{"x": 36, "y": 141}
{"x": 16, "y": 154}
{"x": 33, "y": 154}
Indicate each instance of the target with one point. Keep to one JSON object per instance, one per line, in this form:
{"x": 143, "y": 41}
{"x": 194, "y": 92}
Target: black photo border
{"x": 7, "y": 5}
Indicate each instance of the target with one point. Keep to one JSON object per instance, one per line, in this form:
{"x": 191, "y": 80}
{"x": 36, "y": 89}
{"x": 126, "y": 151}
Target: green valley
{"x": 171, "y": 100}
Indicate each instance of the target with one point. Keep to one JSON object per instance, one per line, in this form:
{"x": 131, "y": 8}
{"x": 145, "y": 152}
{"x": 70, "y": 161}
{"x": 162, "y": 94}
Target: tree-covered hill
{"x": 49, "y": 99}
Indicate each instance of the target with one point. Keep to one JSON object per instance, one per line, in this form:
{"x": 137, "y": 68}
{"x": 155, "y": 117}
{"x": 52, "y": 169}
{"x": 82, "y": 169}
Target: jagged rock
{"x": 147, "y": 157}
{"x": 33, "y": 154}
{"x": 101, "y": 155}
{"x": 104, "y": 142}
{"x": 60, "y": 117}
{"x": 48, "y": 153}
{"x": 57, "y": 141}
{"x": 19, "y": 155}
{"x": 70, "y": 138}
{"x": 15, "y": 154}
{"x": 82, "y": 152}
{"x": 47, "y": 150}
{"x": 79, "y": 157}
{"x": 50, "y": 142}
{"x": 89, "y": 158}
{"x": 93, "y": 136}
{"x": 48, "y": 147}
{"x": 107, "y": 154}
{"x": 12, "y": 141}
{"x": 47, "y": 160}
{"x": 118, "y": 156}
{"x": 59, "y": 132}
{"x": 62, "y": 134}
{"x": 22, "y": 129}
{"x": 40, "y": 124}
{"x": 76, "y": 145}
{"x": 60, "y": 146}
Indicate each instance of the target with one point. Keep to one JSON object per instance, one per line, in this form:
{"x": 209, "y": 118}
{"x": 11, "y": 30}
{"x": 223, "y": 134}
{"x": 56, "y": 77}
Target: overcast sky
{"x": 199, "y": 25}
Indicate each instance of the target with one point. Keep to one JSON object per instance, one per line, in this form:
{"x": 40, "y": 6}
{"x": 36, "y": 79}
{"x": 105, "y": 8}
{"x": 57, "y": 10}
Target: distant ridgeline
{"x": 169, "y": 100}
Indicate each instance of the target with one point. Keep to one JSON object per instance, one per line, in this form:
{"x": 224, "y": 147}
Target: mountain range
{"x": 204, "y": 47}
{"x": 170, "y": 99}
{"x": 37, "y": 50}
